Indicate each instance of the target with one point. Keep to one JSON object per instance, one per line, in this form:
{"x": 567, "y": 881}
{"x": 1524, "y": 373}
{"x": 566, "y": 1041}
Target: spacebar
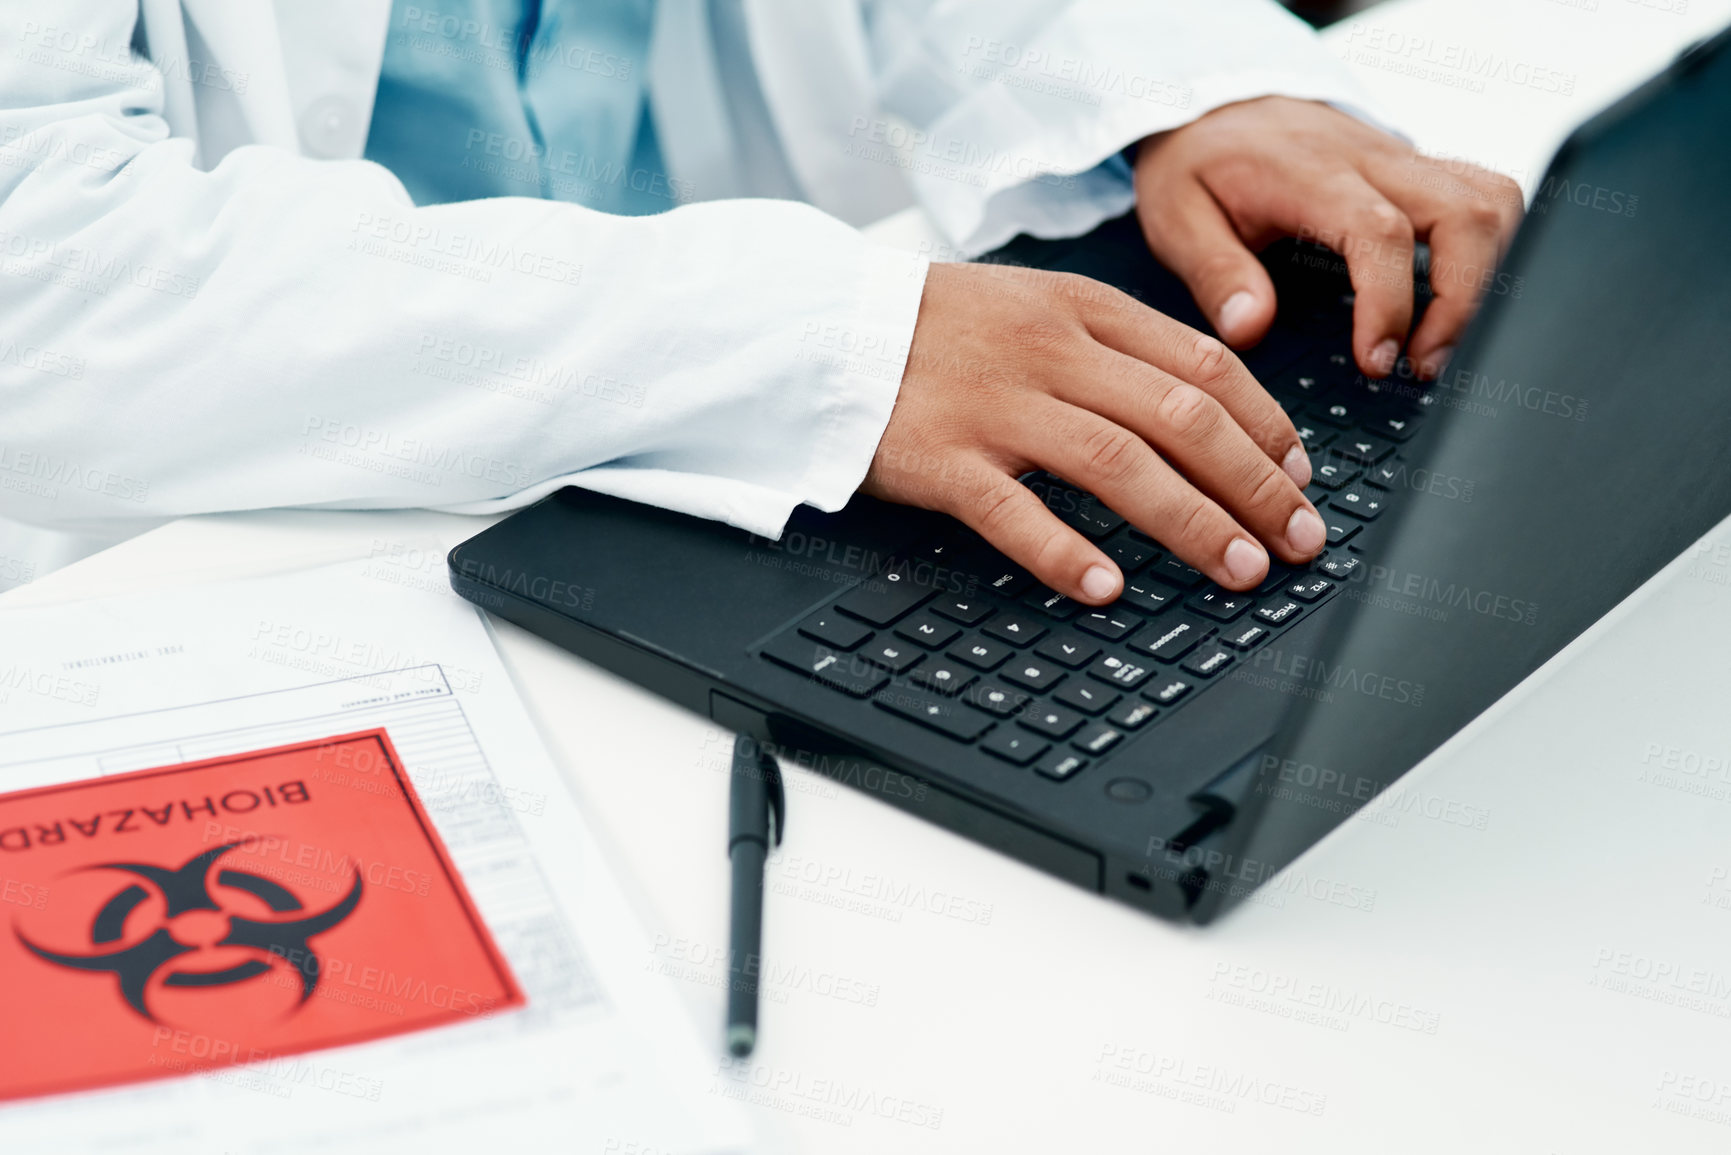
{"x": 941, "y": 714}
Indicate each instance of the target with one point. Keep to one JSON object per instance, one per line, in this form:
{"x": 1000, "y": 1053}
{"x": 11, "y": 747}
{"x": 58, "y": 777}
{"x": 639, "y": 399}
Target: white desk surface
{"x": 1531, "y": 957}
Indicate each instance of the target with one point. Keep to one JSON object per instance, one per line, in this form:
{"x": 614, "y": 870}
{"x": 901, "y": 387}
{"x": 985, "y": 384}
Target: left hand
{"x": 1230, "y": 182}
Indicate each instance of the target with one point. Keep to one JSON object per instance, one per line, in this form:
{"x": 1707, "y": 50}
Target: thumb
{"x": 1190, "y": 234}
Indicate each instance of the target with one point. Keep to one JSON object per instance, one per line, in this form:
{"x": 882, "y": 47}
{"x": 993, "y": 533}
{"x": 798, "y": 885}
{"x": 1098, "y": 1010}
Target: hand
{"x": 1234, "y": 180}
{"x": 1013, "y": 369}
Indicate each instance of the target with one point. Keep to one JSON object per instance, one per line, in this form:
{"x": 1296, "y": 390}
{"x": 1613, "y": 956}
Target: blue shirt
{"x": 539, "y": 98}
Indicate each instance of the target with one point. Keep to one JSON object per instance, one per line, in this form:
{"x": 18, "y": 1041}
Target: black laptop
{"x": 1176, "y": 749}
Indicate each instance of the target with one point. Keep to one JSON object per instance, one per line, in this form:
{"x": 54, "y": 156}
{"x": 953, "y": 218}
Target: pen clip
{"x": 771, "y": 771}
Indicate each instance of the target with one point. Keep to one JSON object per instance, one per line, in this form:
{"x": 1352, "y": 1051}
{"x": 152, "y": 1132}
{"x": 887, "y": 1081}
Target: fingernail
{"x": 1305, "y": 532}
{"x": 1382, "y": 357}
{"x": 1297, "y": 466}
{"x": 1436, "y": 361}
{"x": 1245, "y": 560}
{"x": 1099, "y": 582}
{"x": 1236, "y": 312}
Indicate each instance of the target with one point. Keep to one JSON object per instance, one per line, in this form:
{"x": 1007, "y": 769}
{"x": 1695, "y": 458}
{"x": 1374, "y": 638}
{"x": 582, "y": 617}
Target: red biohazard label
{"x": 229, "y": 911}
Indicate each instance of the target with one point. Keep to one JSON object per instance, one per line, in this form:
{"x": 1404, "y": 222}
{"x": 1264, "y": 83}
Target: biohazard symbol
{"x": 188, "y": 888}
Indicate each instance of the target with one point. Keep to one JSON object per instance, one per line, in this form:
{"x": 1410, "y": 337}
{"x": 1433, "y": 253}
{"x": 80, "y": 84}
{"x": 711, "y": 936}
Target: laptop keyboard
{"x": 964, "y": 642}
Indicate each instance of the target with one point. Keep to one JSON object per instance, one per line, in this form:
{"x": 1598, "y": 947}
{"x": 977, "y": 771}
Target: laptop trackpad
{"x": 697, "y": 588}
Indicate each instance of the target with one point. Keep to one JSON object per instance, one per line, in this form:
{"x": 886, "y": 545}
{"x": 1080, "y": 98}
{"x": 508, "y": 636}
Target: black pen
{"x": 756, "y": 811}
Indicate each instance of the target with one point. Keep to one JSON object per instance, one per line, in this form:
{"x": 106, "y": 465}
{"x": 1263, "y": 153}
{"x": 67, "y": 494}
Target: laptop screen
{"x": 1577, "y": 444}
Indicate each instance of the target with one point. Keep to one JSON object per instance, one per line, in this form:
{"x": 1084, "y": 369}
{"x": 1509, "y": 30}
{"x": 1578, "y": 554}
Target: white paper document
{"x": 602, "y": 1058}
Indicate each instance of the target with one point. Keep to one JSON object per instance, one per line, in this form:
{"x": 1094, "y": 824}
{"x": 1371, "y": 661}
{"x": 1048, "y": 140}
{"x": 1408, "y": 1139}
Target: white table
{"x": 1555, "y": 980}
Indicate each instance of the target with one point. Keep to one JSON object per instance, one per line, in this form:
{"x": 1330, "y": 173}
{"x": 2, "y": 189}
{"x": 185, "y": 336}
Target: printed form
{"x": 600, "y": 1057}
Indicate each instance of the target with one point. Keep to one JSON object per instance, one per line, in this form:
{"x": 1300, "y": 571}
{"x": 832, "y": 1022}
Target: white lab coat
{"x": 208, "y": 302}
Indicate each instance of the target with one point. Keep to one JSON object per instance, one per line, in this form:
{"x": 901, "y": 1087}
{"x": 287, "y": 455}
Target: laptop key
{"x": 1330, "y": 471}
{"x": 967, "y": 611}
{"x": 1309, "y": 589}
{"x": 1301, "y": 383}
{"x": 1207, "y": 661}
{"x": 1051, "y": 603}
{"x": 987, "y": 569}
{"x": 1278, "y": 575}
{"x": 1125, "y": 672}
{"x": 1148, "y": 595}
{"x": 1108, "y": 624}
{"x": 1052, "y": 721}
{"x": 1221, "y": 605}
{"x": 843, "y": 672}
{"x": 980, "y": 653}
{"x": 833, "y": 629}
{"x": 1017, "y": 747}
{"x": 996, "y": 699}
{"x": 1313, "y": 435}
{"x": 1360, "y": 501}
{"x": 1244, "y": 637}
{"x": 1132, "y": 715}
{"x": 1388, "y": 475}
{"x": 1060, "y": 765}
{"x": 1034, "y": 673}
{"x": 1130, "y": 553}
{"x": 1089, "y": 699}
{"x": 928, "y": 630}
{"x": 1068, "y": 648}
{"x": 1395, "y": 427}
{"x": 940, "y": 714}
{"x": 882, "y": 599}
{"x": 891, "y": 653}
{"x": 1340, "y": 565}
{"x": 1015, "y": 629}
{"x": 1096, "y": 738}
{"x": 1082, "y": 512}
{"x": 942, "y": 676}
{"x": 1166, "y": 691}
{"x": 1384, "y": 389}
{"x": 1172, "y": 637}
{"x": 1176, "y": 572}
{"x": 1278, "y": 611}
{"x": 1364, "y": 449}
{"x": 1006, "y": 580}
{"x": 1339, "y": 528}
{"x": 1339, "y": 411}
{"x": 1341, "y": 366}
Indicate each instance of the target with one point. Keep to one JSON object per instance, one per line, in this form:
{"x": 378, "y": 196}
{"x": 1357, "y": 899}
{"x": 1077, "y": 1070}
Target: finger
{"x": 1196, "y": 433}
{"x": 1190, "y": 233}
{"x": 1463, "y": 262}
{"x": 1131, "y": 328}
{"x": 1014, "y": 519}
{"x": 1468, "y": 218}
{"x": 1120, "y": 469}
{"x": 1339, "y": 208}
{"x": 1376, "y": 238}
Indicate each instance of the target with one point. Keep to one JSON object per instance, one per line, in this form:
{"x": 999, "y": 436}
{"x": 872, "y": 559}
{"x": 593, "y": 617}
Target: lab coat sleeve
{"x": 1009, "y": 115}
{"x": 281, "y": 331}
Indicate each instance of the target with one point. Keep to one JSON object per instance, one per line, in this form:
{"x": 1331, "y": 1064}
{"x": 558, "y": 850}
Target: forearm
{"x": 281, "y": 331}
{"x": 1034, "y": 111}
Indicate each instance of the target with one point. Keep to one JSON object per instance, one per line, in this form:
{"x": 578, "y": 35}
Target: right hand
{"x": 1013, "y": 369}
